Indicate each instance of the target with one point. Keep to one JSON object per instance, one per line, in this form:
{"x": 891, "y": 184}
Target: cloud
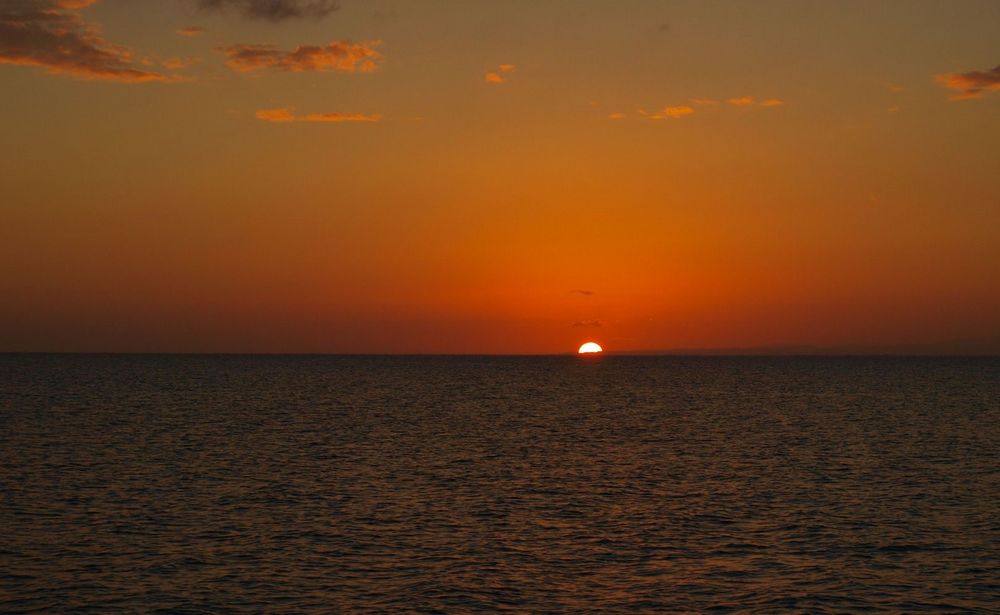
{"x": 679, "y": 111}
{"x": 288, "y": 115}
{"x": 616, "y": 116}
{"x": 669, "y": 112}
{"x": 497, "y": 75}
{"x": 585, "y": 293}
{"x": 343, "y": 56}
{"x": 340, "y": 117}
{"x": 276, "y": 115}
{"x": 750, "y": 101}
{"x": 587, "y": 323}
{"x": 274, "y": 10}
{"x": 179, "y": 63}
{"x": 676, "y": 112}
{"x": 190, "y": 31}
{"x": 973, "y": 84}
{"x": 42, "y": 33}
{"x": 741, "y": 101}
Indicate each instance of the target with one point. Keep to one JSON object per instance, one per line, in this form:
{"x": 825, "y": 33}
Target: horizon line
{"x": 732, "y": 353}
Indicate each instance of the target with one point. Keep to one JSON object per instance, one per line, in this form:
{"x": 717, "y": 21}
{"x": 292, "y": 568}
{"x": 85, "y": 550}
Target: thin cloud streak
{"x": 679, "y": 111}
{"x": 750, "y": 101}
{"x": 669, "y": 113}
{"x": 741, "y": 101}
{"x": 191, "y": 31}
{"x": 285, "y": 115}
{"x": 340, "y": 117}
{"x": 180, "y": 63}
{"x": 276, "y": 115}
{"x": 342, "y": 56}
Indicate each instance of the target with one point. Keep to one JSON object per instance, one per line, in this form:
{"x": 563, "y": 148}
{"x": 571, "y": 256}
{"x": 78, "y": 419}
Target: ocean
{"x": 247, "y": 484}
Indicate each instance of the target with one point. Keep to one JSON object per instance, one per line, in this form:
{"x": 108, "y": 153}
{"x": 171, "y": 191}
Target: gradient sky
{"x": 498, "y": 177}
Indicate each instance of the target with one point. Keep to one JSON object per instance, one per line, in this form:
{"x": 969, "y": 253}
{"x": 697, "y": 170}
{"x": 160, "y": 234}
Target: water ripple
{"x": 323, "y": 484}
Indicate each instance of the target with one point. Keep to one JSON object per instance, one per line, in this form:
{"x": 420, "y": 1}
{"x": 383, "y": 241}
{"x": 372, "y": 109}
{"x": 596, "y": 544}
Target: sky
{"x": 463, "y": 176}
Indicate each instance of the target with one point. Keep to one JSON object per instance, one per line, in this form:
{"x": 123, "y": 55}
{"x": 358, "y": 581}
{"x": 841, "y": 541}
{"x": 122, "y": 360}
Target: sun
{"x": 590, "y": 348}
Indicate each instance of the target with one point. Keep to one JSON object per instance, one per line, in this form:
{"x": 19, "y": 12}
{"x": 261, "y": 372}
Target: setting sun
{"x": 590, "y": 348}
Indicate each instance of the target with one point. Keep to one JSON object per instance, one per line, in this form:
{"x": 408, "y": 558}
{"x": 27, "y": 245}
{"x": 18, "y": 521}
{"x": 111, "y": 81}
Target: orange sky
{"x": 498, "y": 177}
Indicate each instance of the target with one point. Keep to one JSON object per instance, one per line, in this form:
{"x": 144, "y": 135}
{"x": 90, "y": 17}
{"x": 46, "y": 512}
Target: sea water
{"x": 244, "y": 484}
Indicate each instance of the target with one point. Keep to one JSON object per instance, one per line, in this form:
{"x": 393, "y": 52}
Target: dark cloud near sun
{"x": 587, "y": 324}
{"x": 274, "y": 10}
{"x": 51, "y": 35}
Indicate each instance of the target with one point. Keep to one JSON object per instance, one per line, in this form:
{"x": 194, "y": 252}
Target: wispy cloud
{"x": 497, "y": 75}
{"x": 674, "y": 112}
{"x": 180, "y": 63}
{"x": 191, "y": 31}
{"x": 284, "y": 115}
{"x": 340, "y": 117}
{"x": 587, "y": 323}
{"x": 668, "y": 113}
{"x": 750, "y": 101}
{"x": 973, "y": 84}
{"x": 274, "y": 10}
{"x": 584, "y": 292}
{"x": 343, "y": 56}
{"x": 679, "y": 111}
{"x": 276, "y": 115}
{"x": 616, "y": 116}
{"x": 47, "y": 34}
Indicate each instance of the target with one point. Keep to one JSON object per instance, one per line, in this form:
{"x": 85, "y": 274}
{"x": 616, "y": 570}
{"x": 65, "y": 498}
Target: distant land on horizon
{"x": 979, "y": 347}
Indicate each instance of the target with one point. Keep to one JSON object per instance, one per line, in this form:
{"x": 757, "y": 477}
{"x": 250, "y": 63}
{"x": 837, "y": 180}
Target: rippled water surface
{"x": 325, "y": 484}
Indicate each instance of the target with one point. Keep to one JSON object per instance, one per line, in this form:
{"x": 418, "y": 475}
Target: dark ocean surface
{"x": 245, "y": 484}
